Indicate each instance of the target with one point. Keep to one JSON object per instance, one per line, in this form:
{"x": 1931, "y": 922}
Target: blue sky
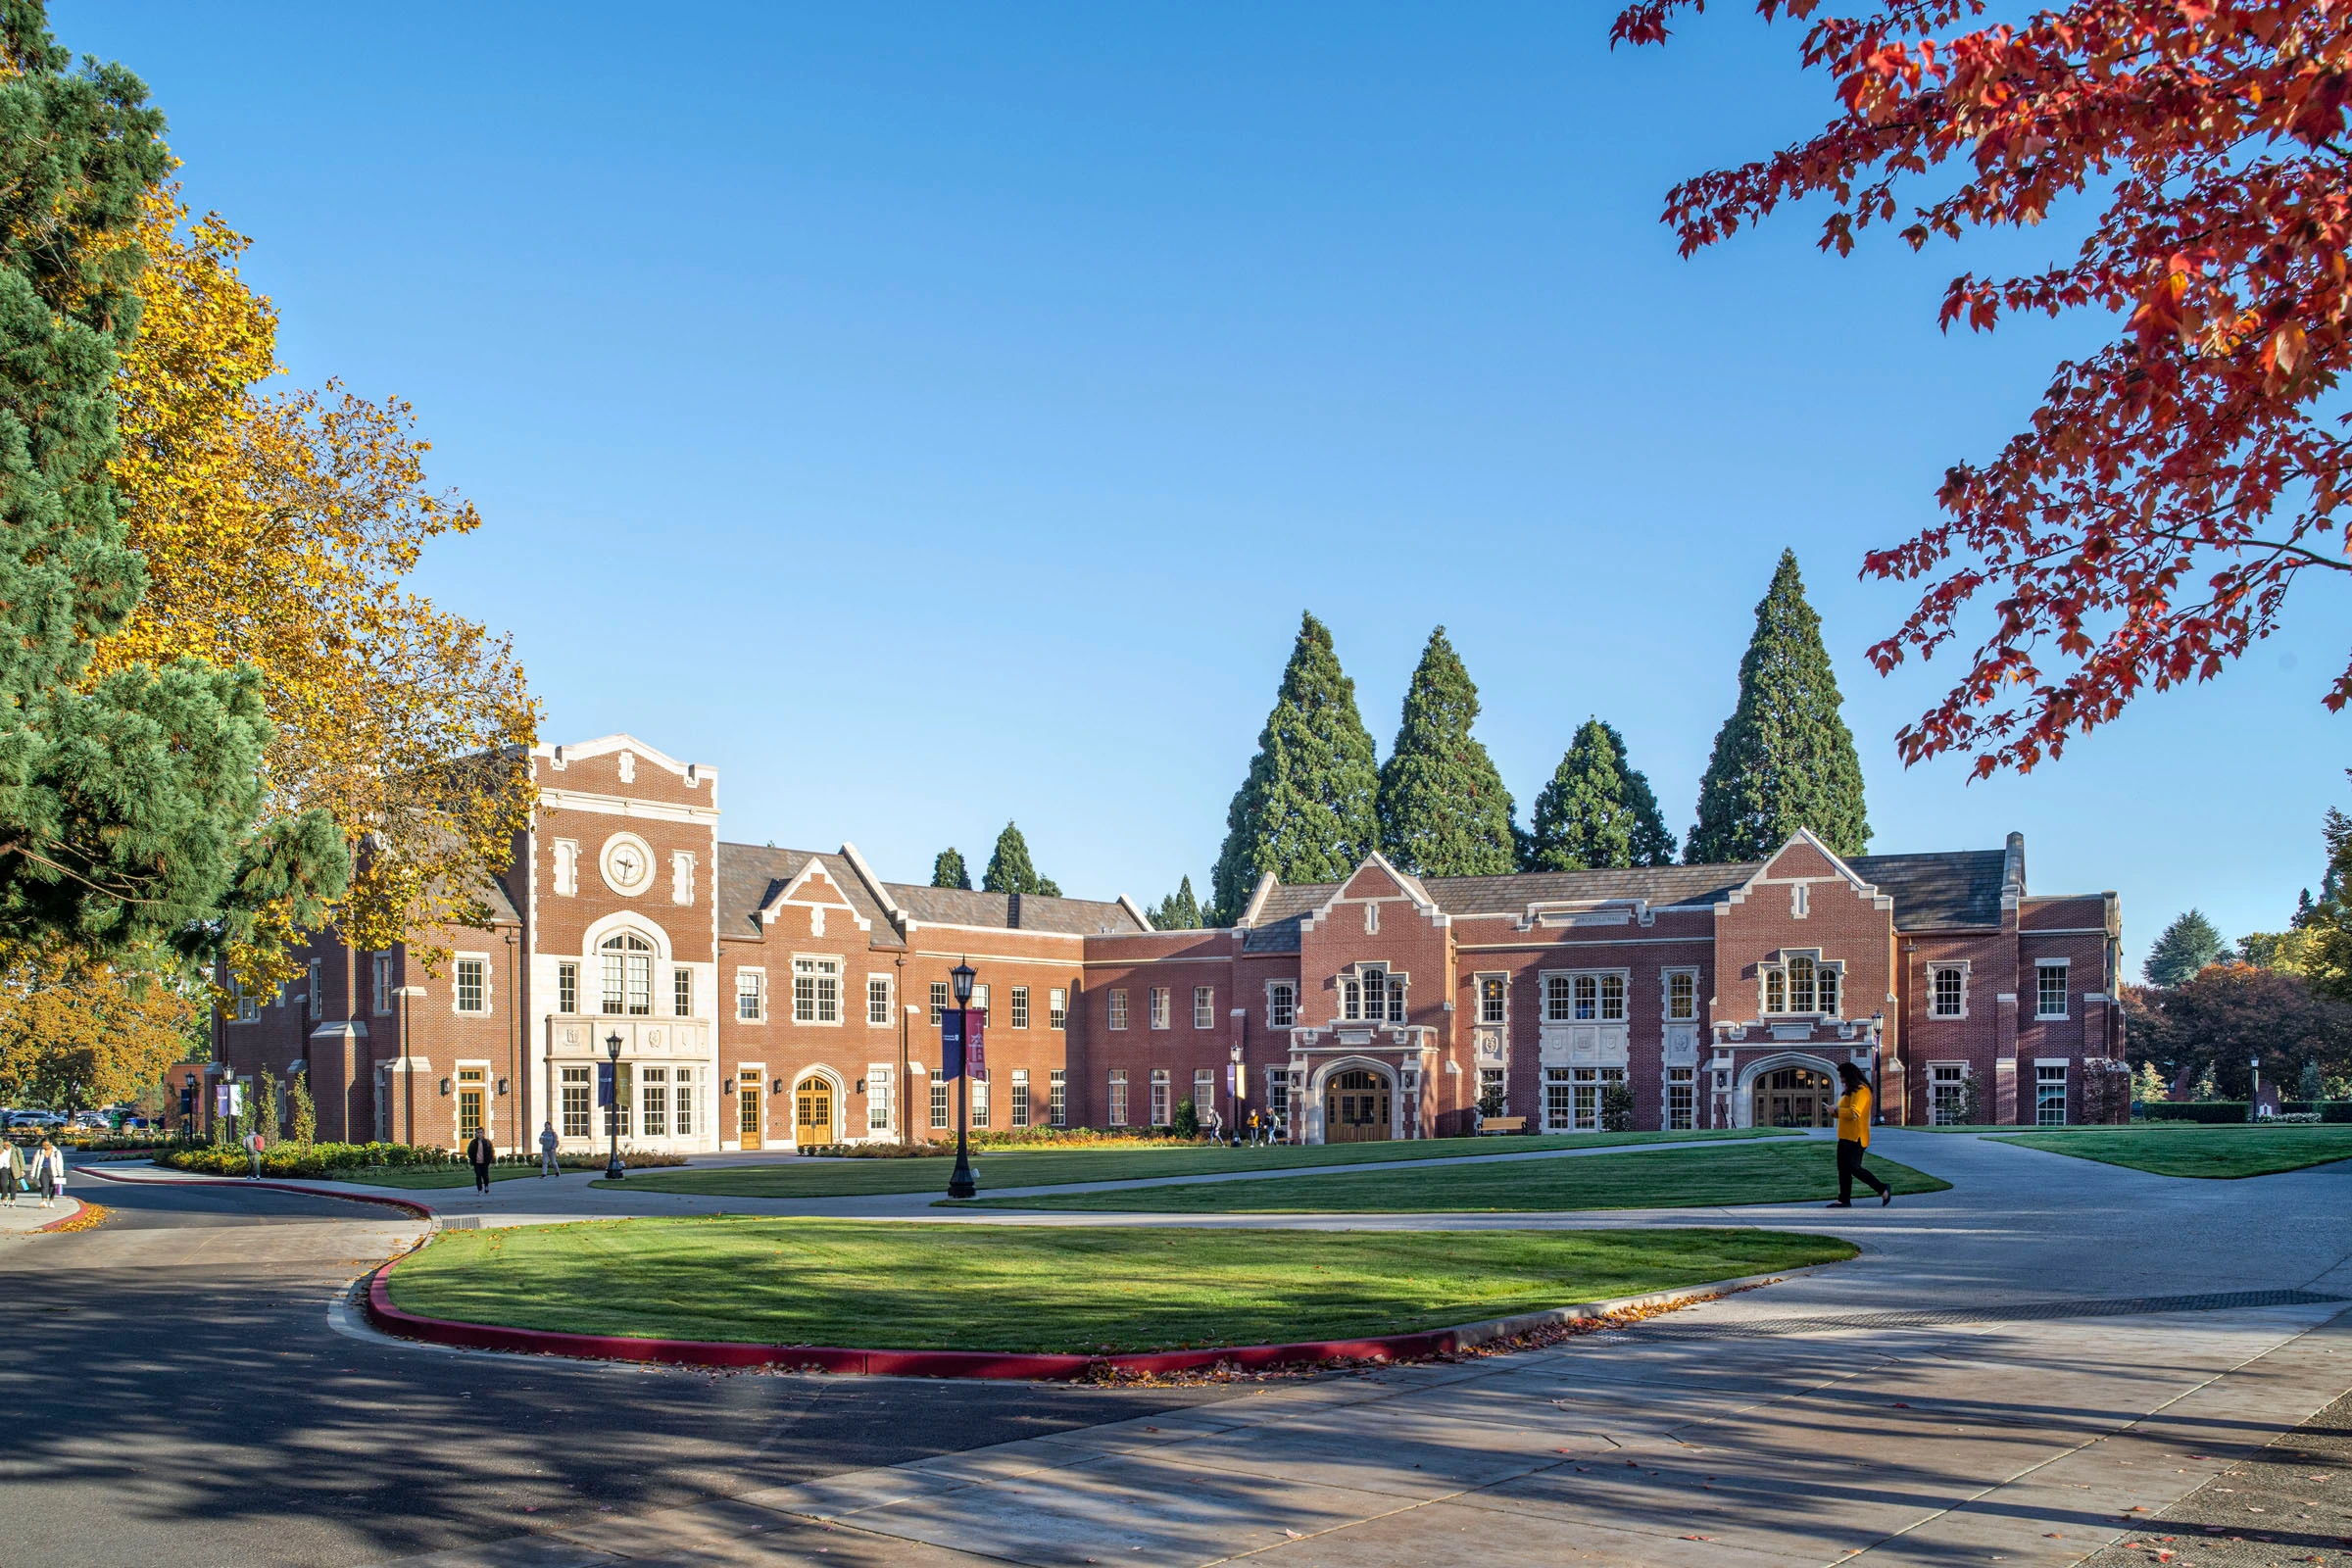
{"x": 930, "y": 416}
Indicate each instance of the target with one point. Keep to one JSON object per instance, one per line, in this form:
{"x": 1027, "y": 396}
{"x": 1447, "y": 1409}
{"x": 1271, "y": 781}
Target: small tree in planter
{"x": 1617, "y": 1108}
{"x": 1188, "y": 1121}
{"x": 261, "y": 1115}
{"x": 306, "y": 1114}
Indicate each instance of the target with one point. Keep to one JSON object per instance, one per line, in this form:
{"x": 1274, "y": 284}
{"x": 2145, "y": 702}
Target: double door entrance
{"x": 1795, "y": 1096}
{"x": 1356, "y": 1108}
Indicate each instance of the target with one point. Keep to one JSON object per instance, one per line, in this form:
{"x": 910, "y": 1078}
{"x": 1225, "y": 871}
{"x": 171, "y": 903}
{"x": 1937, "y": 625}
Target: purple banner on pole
{"x": 976, "y": 1046}
{"x": 951, "y": 1044}
{"x": 604, "y": 1083}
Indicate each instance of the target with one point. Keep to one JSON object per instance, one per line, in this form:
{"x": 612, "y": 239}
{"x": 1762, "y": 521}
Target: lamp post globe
{"x": 613, "y": 1170}
{"x": 960, "y": 1183}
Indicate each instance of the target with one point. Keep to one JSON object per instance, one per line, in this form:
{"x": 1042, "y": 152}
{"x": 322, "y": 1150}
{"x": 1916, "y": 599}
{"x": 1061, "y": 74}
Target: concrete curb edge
{"x": 1021, "y": 1366}
{"x": 421, "y": 1211}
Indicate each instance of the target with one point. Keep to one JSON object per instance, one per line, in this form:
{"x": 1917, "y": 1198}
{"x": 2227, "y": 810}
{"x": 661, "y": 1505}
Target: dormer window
{"x": 1801, "y": 983}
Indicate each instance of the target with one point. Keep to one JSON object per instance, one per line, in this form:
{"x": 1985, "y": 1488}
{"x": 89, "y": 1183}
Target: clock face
{"x": 628, "y": 863}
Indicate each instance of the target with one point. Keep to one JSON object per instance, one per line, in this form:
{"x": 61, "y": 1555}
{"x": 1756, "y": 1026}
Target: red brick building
{"x": 768, "y": 997}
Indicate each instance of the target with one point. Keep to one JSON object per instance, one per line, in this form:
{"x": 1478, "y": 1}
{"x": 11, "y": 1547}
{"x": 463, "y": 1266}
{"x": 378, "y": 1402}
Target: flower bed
{"x": 339, "y": 1159}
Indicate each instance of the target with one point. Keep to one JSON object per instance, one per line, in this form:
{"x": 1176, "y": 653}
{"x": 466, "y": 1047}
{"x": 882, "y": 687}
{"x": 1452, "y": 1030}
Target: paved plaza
{"x": 2014, "y": 1370}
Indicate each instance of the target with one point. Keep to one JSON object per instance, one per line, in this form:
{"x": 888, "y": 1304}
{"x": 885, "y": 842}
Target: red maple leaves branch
{"x": 2144, "y": 529}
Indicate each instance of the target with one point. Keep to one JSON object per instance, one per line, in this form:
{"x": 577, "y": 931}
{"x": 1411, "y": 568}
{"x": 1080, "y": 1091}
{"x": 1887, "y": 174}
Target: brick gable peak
{"x": 1400, "y": 885}
{"x": 1791, "y": 863}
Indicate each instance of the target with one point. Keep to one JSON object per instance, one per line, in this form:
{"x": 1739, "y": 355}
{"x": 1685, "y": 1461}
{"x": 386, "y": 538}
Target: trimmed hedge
{"x": 2221, "y": 1111}
{"x": 327, "y": 1160}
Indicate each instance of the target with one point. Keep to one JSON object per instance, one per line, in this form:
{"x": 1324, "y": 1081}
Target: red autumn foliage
{"x": 2144, "y": 530}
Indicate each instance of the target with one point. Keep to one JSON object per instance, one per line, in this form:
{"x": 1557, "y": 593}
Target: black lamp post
{"x": 960, "y": 1184}
{"x": 613, "y": 1170}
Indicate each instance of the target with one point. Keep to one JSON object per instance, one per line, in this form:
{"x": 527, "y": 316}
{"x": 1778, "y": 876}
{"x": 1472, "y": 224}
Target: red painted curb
{"x": 1019, "y": 1366}
{"x": 413, "y": 1207}
{"x": 64, "y": 1220}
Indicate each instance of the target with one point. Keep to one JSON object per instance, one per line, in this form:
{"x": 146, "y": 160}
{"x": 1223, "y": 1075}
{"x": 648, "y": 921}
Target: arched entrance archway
{"x": 815, "y": 1110}
{"x": 1789, "y": 1090}
{"x": 1357, "y": 1100}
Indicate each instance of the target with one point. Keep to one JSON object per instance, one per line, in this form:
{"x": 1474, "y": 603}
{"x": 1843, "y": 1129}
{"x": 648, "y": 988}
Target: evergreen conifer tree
{"x": 1180, "y": 910}
{"x": 1306, "y": 811}
{"x": 948, "y": 872}
{"x": 128, "y": 804}
{"x": 1011, "y": 871}
{"x": 1785, "y": 758}
{"x": 2187, "y": 945}
{"x": 1596, "y": 810}
{"x": 1443, "y": 810}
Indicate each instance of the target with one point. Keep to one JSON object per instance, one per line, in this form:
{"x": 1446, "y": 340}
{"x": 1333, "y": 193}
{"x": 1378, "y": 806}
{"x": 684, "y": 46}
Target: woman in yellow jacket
{"x": 1853, "y": 1137}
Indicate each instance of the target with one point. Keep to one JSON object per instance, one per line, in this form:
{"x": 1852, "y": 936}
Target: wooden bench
{"x": 1492, "y": 1125}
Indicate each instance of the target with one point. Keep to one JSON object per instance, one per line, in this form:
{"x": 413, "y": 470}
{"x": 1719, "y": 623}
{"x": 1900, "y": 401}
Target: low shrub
{"x": 337, "y": 1160}
{"x": 878, "y": 1151}
{"x": 2215, "y": 1111}
{"x": 1076, "y": 1138}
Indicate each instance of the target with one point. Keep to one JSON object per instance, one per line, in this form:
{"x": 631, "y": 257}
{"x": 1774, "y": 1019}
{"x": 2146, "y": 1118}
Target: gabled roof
{"x": 1939, "y": 891}
{"x": 1077, "y": 917}
{"x": 751, "y": 876}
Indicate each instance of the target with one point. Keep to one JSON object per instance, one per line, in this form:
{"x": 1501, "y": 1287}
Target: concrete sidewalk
{"x": 27, "y": 1215}
{"x": 2008, "y": 1373}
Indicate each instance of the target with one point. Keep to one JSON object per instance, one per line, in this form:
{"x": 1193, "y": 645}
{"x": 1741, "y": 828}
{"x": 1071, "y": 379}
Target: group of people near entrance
{"x": 44, "y": 1171}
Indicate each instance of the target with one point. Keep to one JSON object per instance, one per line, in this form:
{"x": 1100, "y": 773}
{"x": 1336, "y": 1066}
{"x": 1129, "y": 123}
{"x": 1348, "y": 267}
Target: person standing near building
{"x": 479, "y": 1152}
{"x": 1853, "y": 1139}
{"x": 547, "y": 1150}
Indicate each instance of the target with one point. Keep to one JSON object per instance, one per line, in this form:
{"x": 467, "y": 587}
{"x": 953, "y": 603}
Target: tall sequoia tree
{"x": 1443, "y": 810}
{"x": 949, "y": 870}
{"x": 1308, "y": 810}
{"x": 130, "y": 800}
{"x": 1597, "y": 810}
{"x": 1011, "y": 871}
{"x": 1180, "y": 910}
{"x": 1785, "y": 758}
{"x": 2183, "y": 949}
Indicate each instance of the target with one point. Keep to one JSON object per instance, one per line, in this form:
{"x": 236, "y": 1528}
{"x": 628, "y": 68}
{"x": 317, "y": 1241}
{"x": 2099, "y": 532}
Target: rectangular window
{"x": 2049, "y": 991}
{"x": 1826, "y": 983}
{"x": 1587, "y": 1084}
{"x": 1205, "y": 1006}
{"x": 1679, "y": 1098}
{"x": 877, "y": 1100}
{"x": 383, "y": 984}
{"x": 1278, "y": 1095}
{"x": 1612, "y": 999}
{"x": 1947, "y": 1093}
{"x": 750, "y": 1004}
{"x": 1020, "y": 1096}
{"x": 1376, "y": 994}
{"x": 2049, "y": 1095}
{"x": 1057, "y": 1010}
{"x": 1775, "y": 991}
{"x": 681, "y": 1102}
{"x": 941, "y": 1000}
{"x": 939, "y": 1099}
{"x": 1352, "y": 999}
{"x": 1058, "y": 1107}
{"x": 473, "y": 986}
{"x": 1282, "y": 1005}
{"x": 817, "y": 991}
{"x": 472, "y": 1082}
{"x": 1557, "y": 1005}
{"x": 576, "y": 1101}
{"x": 242, "y": 1007}
{"x": 1493, "y": 995}
{"x": 1118, "y": 1010}
{"x": 1558, "y": 1102}
{"x": 1016, "y": 1003}
{"x": 877, "y": 999}
{"x": 1204, "y": 1093}
{"x": 567, "y": 988}
{"x": 1948, "y": 989}
{"x": 1800, "y": 982}
{"x": 1396, "y": 1002}
{"x": 1118, "y": 1097}
{"x": 1682, "y": 995}
{"x": 1588, "y": 998}
{"x": 681, "y": 992}
{"x": 1161, "y": 1115}
{"x": 652, "y": 1096}
{"x": 318, "y": 997}
{"x": 1159, "y": 1006}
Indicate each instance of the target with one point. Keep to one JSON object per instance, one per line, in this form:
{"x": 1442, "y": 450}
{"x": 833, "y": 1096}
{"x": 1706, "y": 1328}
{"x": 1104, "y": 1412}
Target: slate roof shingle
{"x": 750, "y": 874}
{"x": 1077, "y": 917}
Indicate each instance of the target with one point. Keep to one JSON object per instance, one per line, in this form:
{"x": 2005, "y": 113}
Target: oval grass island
{"x": 1029, "y": 1301}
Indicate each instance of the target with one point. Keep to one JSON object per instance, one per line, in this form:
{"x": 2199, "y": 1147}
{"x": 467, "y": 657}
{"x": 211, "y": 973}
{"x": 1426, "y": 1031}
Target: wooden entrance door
{"x": 1355, "y": 1107}
{"x": 813, "y": 1114}
{"x": 749, "y": 1093}
{"x": 1795, "y": 1096}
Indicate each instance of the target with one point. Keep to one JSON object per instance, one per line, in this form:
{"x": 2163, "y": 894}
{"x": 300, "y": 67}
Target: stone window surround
{"x": 1503, "y": 1000}
{"x": 1625, "y": 979}
{"x": 1936, "y": 966}
{"x": 757, "y": 993}
{"x": 823, "y": 965}
{"x": 1395, "y": 984}
{"x": 1821, "y": 966}
{"x": 2063, "y": 966}
{"x": 1281, "y": 995}
{"x": 1666, "y": 978}
{"x": 455, "y": 991}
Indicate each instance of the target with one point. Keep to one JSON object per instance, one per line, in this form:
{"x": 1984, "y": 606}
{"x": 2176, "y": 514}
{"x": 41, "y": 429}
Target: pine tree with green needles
{"x": 1179, "y": 910}
{"x": 948, "y": 872}
{"x": 1596, "y": 812}
{"x": 1309, "y": 810}
{"x": 2187, "y": 945}
{"x": 1443, "y": 808}
{"x": 1011, "y": 871}
{"x": 1785, "y": 758}
{"x": 130, "y": 806}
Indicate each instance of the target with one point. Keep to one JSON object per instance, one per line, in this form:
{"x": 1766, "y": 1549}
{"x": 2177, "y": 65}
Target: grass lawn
{"x": 415, "y": 1176}
{"x": 1776, "y": 1172}
{"x": 1046, "y": 1167}
{"x": 1046, "y": 1288}
{"x": 2186, "y": 1149}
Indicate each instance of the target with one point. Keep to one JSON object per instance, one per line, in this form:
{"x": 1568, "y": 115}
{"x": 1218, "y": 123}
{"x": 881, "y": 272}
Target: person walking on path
{"x": 479, "y": 1152}
{"x": 1853, "y": 1139}
{"x": 49, "y": 1169}
{"x": 12, "y": 1171}
{"x": 547, "y": 1150}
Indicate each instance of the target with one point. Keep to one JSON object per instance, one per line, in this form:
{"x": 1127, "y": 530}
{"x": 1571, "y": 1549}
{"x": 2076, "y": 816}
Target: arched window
{"x": 628, "y": 974}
